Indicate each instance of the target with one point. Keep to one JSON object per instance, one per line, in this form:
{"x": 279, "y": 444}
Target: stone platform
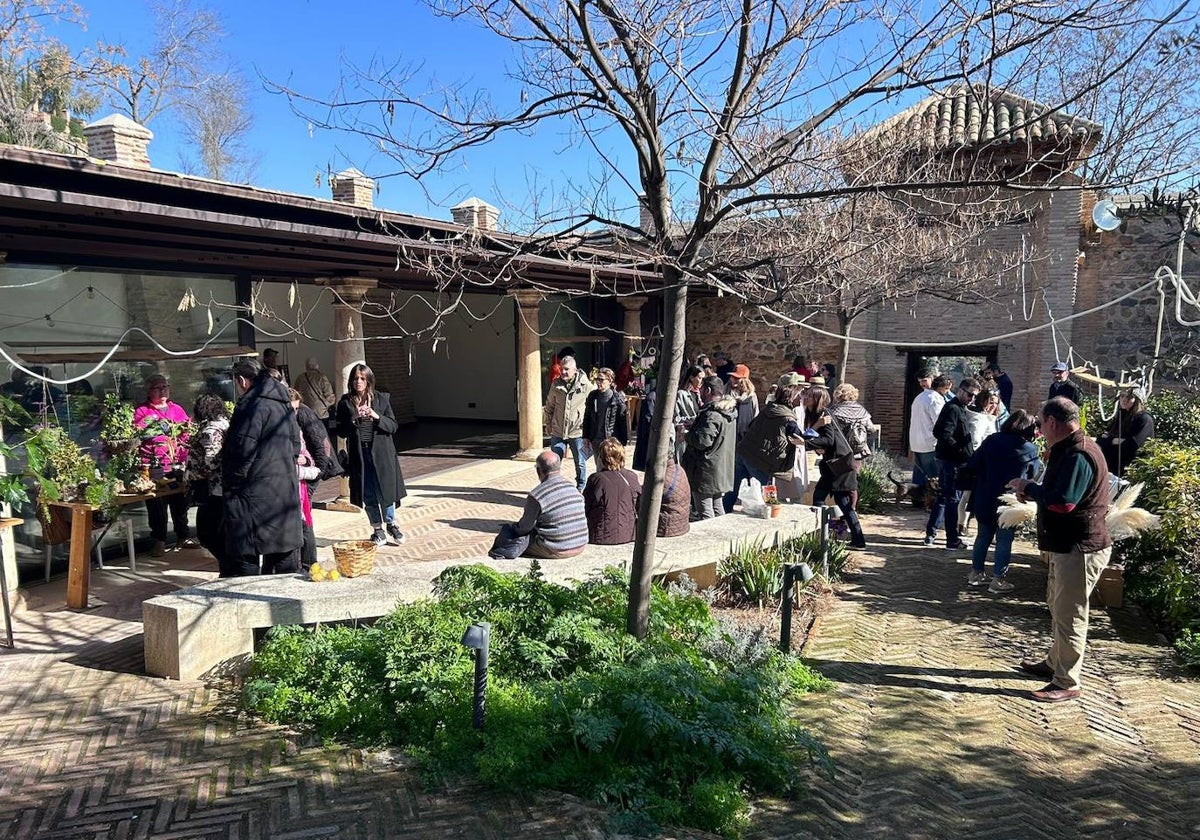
{"x": 193, "y": 630}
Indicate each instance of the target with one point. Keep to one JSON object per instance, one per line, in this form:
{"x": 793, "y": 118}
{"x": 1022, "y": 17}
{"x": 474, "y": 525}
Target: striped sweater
{"x": 554, "y": 514}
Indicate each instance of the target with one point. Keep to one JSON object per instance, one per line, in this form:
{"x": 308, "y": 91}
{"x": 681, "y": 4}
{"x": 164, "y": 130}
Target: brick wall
{"x": 1052, "y": 239}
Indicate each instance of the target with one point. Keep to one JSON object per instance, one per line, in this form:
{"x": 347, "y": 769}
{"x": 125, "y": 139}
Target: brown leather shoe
{"x": 1037, "y": 669}
{"x": 1054, "y": 694}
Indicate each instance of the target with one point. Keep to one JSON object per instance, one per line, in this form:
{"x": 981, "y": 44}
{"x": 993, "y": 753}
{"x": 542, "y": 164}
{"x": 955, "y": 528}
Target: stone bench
{"x": 189, "y": 632}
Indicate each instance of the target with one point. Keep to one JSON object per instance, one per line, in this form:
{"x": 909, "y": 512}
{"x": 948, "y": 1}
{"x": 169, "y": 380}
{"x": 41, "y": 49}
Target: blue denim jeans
{"x": 377, "y": 514}
{"x": 946, "y": 505}
{"x": 559, "y": 445}
{"x": 924, "y": 464}
{"x": 1004, "y": 543}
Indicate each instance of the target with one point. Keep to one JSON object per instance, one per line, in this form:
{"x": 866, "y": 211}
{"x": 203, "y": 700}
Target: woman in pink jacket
{"x": 158, "y": 417}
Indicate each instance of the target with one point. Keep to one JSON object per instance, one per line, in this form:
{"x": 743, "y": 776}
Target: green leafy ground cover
{"x": 680, "y": 729}
{"x": 1162, "y": 568}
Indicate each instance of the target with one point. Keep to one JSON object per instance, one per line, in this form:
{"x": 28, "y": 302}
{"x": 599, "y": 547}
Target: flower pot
{"x": 775, "y": 509}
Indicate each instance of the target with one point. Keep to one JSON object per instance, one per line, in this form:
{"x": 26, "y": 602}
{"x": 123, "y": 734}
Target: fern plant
{"x": 683, "y": 727}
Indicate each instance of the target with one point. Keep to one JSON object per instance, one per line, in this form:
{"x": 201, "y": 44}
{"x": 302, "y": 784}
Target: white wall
{"x": 473, "y": 372}
{"x": 312, "y": 314}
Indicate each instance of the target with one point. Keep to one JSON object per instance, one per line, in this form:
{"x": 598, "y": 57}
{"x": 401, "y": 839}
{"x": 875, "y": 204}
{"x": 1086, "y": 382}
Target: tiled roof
{"x": 975, "y": 116}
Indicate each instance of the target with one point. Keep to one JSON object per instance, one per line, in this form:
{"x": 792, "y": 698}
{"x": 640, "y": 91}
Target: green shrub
{"x": 1162, "y": 568}
{"x": 873, "y": 485}
{"x": 806, "y": 548}
{"x": 870, "y": 490}
{"x": 1176, "y": 417}
{"x": 752, "y": 574}
{"x": 681, "y": 728}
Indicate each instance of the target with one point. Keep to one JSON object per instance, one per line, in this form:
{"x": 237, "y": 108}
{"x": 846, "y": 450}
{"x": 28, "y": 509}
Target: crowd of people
{"x": 968, "y": 445}
{"x": 722, "y": 438}
{"x": 972, "y": 448}
{"x": 251, "y": 474}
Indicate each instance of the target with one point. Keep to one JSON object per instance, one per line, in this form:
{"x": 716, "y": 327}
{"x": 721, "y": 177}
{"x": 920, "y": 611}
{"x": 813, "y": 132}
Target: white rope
{"x": 936, "y": 344}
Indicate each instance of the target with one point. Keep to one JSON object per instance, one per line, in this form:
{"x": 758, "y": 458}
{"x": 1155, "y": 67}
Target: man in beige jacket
{"x": 563, "y": 416}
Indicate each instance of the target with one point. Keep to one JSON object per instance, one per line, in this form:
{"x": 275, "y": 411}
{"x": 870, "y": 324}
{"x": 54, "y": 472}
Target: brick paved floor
{"x": 934, "y": 737}
{"x": 927, "y": 724}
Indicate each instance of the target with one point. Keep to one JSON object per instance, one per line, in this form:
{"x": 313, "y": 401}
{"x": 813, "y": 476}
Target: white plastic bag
{"x": 751, "y": 497}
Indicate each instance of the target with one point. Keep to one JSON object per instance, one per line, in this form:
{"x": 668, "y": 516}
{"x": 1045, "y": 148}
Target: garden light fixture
{"x": 477, "y": 637}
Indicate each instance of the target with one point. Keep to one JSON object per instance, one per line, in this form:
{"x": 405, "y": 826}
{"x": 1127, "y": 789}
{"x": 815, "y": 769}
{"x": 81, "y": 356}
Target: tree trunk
{"x": 845, "y": 323}
{"x": 674, "y": 335}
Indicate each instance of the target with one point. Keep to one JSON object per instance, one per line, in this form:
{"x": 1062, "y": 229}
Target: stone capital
{"x": 527, "y": 298}
{"x": 351, "y": 290}
{"x": 633, "y": 303}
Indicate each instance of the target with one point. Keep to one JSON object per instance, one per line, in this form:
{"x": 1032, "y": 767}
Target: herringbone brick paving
{"x": 928, "y": 725}
{"x": 92, "y": 748}
{"x": 932, "y": 732}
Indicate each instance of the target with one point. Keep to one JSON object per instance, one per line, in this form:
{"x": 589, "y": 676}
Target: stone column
{"x": 633, "y": 323}
{"x": 529, "y": 375}
{"x": 348, "y": 350}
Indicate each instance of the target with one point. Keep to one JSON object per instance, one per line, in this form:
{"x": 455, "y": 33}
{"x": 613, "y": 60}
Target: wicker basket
{"x": 354, "y": 557}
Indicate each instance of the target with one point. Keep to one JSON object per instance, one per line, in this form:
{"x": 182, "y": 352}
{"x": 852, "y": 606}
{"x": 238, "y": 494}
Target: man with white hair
{"x": 316, "y": 391}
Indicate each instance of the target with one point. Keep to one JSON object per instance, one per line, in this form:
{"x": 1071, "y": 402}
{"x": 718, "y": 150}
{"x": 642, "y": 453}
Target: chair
{"x": 118, "y": 528}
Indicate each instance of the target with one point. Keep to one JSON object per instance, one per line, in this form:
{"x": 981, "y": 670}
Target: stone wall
{"x": 1121, "y": 337}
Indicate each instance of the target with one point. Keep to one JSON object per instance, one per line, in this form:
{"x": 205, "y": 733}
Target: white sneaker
{"x": 977, "y": 579}
{"x": 999, "y": 586}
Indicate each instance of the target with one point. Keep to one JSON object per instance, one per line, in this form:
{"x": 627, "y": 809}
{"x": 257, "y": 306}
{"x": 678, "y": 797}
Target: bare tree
{"x": 714, "y": 100}
{"x": 216, "y": 119}
{"x": 186, "y": 38}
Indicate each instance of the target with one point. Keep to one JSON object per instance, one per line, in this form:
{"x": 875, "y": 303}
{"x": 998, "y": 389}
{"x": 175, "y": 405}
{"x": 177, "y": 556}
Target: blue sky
{"x": 300, "y": 42}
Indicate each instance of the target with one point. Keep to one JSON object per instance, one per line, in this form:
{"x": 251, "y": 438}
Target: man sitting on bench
{"x": 554, "y": 523}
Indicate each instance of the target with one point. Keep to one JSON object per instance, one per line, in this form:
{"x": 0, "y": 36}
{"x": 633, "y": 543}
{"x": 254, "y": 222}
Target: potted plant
{"x": 771, "y": 499}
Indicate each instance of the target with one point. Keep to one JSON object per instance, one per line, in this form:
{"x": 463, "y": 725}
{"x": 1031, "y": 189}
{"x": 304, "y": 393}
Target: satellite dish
{"x": 1104, "y": 215}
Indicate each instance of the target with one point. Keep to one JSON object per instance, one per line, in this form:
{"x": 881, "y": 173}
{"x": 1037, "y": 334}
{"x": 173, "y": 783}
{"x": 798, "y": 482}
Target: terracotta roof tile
{"x": 963, "y": 116}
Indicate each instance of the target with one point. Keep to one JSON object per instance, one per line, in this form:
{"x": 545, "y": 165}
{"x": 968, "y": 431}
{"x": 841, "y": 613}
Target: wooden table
{"x": 4, "y": 525}
{"x": 80, "y": 568}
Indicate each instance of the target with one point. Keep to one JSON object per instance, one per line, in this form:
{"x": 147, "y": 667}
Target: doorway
{"x": 954, "y": 362}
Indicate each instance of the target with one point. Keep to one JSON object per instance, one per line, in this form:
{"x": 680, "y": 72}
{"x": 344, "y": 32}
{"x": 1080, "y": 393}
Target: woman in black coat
{"x": 261, "y": 491}
{"x": 831, "y": 441}
{"x": 365, "y": 420}
{"x": 1129, "y": 430}
{"x": 605, "y": 412}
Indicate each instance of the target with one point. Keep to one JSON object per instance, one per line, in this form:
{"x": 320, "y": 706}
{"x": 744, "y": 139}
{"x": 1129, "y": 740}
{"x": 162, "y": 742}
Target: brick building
{"x": 1072, "y": 267}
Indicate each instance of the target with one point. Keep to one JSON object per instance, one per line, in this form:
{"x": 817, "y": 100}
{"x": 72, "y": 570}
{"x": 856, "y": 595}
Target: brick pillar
{"x": 348, "y": 350}
{"x": 118, "y": 139}
{"x": 529, "y": 375}
{"x": 633, "y": 322}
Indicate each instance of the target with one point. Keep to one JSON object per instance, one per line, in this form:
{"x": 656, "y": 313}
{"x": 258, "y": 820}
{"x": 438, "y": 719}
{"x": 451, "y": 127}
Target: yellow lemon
{"x": 317, "y": 572}
{"x": 334, "y": 574}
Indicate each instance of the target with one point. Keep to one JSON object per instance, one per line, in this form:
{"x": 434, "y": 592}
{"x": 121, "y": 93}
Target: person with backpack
{"x": 857, "y": 425}
{"x": 765, "y": 449}
{"x": 827, "y": 435}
